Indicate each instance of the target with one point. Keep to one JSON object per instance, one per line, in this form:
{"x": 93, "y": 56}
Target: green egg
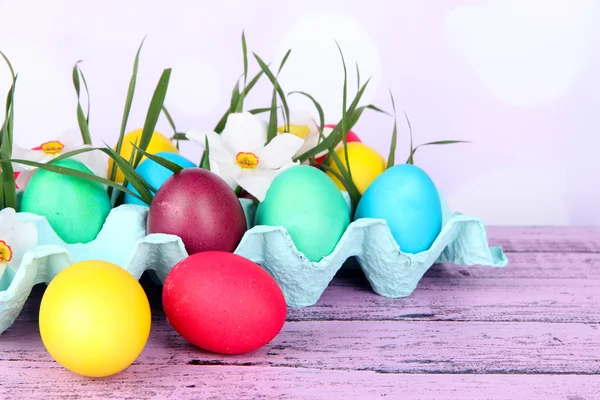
{"x": 76, "y": 208}
{"x": 305, "y": 201}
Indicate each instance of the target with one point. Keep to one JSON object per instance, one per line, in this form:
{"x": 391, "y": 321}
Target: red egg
{"x": 200, "y": 208}
{"x": 350, "y": 137}
{"x": 223, "y": 303}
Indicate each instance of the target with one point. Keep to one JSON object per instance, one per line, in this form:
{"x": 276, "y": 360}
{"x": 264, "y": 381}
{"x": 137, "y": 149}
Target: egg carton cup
{"x": 123, "y": 241}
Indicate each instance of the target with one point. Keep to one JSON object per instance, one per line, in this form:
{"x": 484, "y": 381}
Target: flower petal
{"x": 24, "y": 177}
{"x": 227, "y": 171}
{"x": 257, "y": 181}
{"x": 244, "y": 132}
{"x": 25, "y": 154}
{"x": 279, "y": 151}
{"x": 96, "y": 161}
{"x": 217, "y": 150}
{"x": 20, "y": 236}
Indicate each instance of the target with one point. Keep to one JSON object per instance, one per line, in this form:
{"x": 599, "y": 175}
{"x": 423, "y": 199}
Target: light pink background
{"x": 518, "y": 78}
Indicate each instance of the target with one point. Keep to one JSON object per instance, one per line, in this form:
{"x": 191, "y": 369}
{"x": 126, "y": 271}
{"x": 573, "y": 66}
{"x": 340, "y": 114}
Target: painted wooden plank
{"x": 385, "y": 347}
{"x": 546, "y": 239}
{"x": 224, "y": 382}
{"x": 463, "y": 299}
{"x": 444, "y": 295}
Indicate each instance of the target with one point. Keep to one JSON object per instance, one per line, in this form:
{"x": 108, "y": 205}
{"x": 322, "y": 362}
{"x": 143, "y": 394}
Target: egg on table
{"x": 200, "y": 208}
{"x": 223, "y": 303}
{"x": 408, "y": 200}
{"x": 310, "y": 207}
{"x": 155, "y": 174}
{"x": 76, "y": 208}
{"x": 94, "y": 318}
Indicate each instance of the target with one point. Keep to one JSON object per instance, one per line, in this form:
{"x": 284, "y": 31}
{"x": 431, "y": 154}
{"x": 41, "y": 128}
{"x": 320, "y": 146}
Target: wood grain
{"x": 143, "y": 382}
{"x": 545, "y": 239}
{"x": 385, "y": 347}
{"x": 529, "y": 330}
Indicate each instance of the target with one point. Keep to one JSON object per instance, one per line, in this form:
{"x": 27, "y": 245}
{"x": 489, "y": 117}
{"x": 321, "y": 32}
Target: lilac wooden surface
{"x": 528, "y": 331}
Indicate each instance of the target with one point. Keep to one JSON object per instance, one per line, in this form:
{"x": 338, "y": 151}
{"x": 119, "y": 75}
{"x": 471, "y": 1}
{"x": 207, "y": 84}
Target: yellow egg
{"x": 365, "y": 165}
{"x": 158, "y": 143}
{"x": 94, "y": 318}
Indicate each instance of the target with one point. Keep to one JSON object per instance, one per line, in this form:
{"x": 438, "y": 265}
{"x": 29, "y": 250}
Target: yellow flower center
{"x": 302, "y": 131}
{"x": 6, "y": 253}
{"x": 52, "y": 147}
{"x": 246, "y": 160}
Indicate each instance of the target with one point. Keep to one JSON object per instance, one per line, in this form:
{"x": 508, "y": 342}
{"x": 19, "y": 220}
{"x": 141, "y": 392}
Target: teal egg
{"x": 408, "y": 200}
{"x": 305, "y": 201}
{"x": 155, "y": 174}
{"x": 76, "y": 208}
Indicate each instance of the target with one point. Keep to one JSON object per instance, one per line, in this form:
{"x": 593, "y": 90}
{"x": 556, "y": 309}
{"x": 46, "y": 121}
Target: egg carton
{"x": 123, "y": 241}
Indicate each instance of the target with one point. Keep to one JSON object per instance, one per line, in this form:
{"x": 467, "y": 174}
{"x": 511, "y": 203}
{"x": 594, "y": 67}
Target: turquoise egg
{"x": 408, "y": 200}
{"x": 75, "y": 208}
{"x": 305, "y": 201}
{"x": 155, "y": 174}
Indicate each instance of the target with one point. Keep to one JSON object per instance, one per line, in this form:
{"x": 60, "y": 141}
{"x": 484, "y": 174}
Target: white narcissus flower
{"x": 16, "y": 238}
{"x": 239, "y": 155}
{"x": 95, "y": 160}
{"x": 304, "y": 125}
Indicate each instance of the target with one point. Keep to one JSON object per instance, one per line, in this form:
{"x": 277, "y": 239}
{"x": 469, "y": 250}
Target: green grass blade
{"x": 410, "y": 159}
{"x": 392, "y": 156}
{"x": 357, "y": 77}
{"x": 172, "y": 124}
{"x": 170, "y": 165}
{"x": 140, "y": 184}
{"x": 317, "y": 106}
{"x": 205, "y": 161}
{"x": 240, "y": 104}
{"x": 221, "y": 124}
{"x": 344, "y": 112}
{"x": 10, "y": 67}
{"x": 255, "y": 111}
{"x": 439, "y": 142}
{"x": 76, "y": 174}
{"x": 245, "y": 55}
{"x": 127, "y": 109}
{"x": 347, "y": 181}
{"x": 169, "y": 119}
{"x": 179, "y": 136}
{"x": 275, "y": 84}
{"x": 272, "y": 128}
{"x": 154, "y": 110}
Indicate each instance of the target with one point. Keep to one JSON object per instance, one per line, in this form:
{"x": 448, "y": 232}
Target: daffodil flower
{"x": 96, "y": 161}
{"x": 16, "y": 238}
{"x": 240, "y": 157}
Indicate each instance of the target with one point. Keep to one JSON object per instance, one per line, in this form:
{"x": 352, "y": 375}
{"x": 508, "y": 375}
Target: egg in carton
{"x": 123, "y": 241}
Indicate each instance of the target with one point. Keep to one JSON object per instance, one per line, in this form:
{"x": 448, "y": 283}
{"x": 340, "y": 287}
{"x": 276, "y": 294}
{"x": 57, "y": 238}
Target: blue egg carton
{"x": 123, "y": 241}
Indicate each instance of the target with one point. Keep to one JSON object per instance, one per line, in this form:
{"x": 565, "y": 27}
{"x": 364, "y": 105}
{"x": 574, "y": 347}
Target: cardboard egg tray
{"x": 123, "y": 241}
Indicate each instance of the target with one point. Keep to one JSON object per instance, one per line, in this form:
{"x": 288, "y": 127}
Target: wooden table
{"x": 530, "y": 330}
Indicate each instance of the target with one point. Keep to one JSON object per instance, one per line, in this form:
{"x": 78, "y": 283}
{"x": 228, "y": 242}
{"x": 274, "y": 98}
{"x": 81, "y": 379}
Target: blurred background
{"x": 520, "y": 79}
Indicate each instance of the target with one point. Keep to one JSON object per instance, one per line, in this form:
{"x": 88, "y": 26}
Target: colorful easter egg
{"x": 365, "y": 165}
{"x": 311, "y": 208}
{"x": 76, "y": 208}
{"x": 155, "y": 174}
{"x": 158, "y": 143}
{"x": 408, "y": 200}
{"x": 223, "y": 303}
{"x": 94, "y": 318}
{"x": 200, "y": 208}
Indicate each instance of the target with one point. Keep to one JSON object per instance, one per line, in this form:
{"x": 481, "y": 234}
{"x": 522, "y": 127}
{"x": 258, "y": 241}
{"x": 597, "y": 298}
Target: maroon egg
{"x": 200, "y": 208}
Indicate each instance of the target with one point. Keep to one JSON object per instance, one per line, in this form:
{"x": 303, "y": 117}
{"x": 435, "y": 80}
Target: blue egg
{"x": 155, "y": 174}
{"x": 408, "y": 200}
